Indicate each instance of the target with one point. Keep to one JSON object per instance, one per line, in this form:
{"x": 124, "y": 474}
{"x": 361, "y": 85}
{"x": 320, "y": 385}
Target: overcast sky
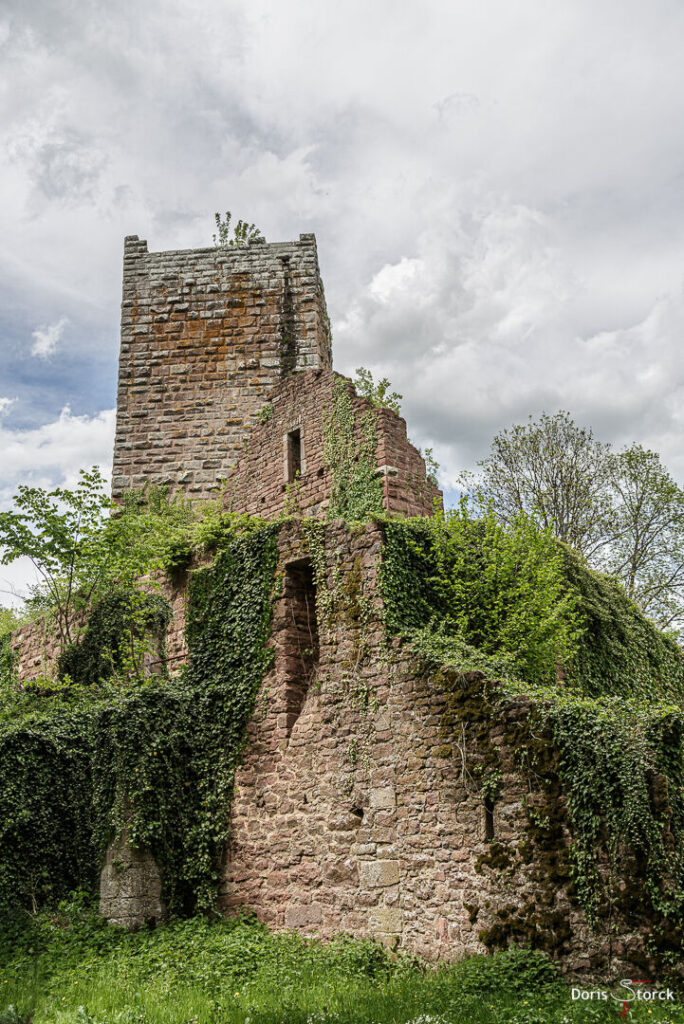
{"x": 496, "y": 187}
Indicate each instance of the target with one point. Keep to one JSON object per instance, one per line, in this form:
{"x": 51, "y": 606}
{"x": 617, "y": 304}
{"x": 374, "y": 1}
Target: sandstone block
{"x": 383, "y": 798}
{"x": 378, "y": 873}
{"x": 386, "y": 919}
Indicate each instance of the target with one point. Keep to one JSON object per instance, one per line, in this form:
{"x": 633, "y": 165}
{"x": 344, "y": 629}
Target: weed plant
{"x": 69, "y": 967}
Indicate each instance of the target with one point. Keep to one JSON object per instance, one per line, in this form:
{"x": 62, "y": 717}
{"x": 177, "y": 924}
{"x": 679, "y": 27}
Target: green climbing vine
{"x": 46, "y": 837}
{"x": 349, "y": 453}
{"x": 122, "y": 629}
{"x": 465, "y": 584}
{"x": 518, "y": 631}
{"x": 167, "y": 754}
{"x": 7, "y": 662}
{"x": 110, "y": 746}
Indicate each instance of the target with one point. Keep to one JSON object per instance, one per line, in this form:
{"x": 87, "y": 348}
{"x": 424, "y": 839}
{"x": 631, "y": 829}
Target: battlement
{"x": 206, "y": 334}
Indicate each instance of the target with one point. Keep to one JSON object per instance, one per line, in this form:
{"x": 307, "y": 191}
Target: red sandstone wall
{"x": 257, "y": 484}
{"x": 360, "y": 814}
{"x": 205, "y": 335}
{"x": 353, "y": 807}
{"x": 37, "y": 646}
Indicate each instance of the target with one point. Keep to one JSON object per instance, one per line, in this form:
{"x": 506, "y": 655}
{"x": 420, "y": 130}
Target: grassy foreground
{"x": 68, "y": 967}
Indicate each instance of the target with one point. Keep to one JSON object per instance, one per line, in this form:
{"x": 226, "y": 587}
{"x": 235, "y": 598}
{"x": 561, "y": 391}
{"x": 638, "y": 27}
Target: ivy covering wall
{"x": 589, "y": 694}
{"x": 109, "y": 746}
{"x": 349, "y": 449}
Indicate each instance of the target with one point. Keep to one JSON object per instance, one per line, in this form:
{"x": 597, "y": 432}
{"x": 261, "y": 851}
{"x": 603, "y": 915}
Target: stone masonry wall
{"x": 359, "y": 813}
{"x": 258, "y": 483}
{"x": 205, "y": 335}
{"x": 356, "y": 806}
{"x": 36, "y": 645}
{"x": 36, "y": 648}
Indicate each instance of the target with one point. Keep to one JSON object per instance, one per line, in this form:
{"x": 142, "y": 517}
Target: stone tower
{"x": 205, "y": 335}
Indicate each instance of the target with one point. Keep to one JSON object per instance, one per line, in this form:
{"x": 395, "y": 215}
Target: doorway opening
{"x": 300, "y": 637}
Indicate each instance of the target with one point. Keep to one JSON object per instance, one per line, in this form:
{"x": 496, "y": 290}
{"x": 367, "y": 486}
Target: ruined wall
{"x": 131, "y": 886}
{"x": 36, "y": 645}
{"x": 361, "y": 811}
{"x": 359, "y": 806}
{"x": 36, "y": 648}
{"x": 205, "y": 336}
{"x": 258, "y": 483}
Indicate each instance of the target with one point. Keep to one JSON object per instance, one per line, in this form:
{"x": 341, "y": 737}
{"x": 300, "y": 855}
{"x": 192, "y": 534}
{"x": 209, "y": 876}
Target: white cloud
{"x": 5, "y": 405}
{"x": 50, "y": 456}
{"x": 46, "y": 339}
{"x": 53, "y": 454}
{"x": 499, "y": 230}
{"x": 487, "y": 325}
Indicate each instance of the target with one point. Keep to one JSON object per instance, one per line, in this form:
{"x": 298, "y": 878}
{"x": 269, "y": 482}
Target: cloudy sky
{"x": 496, "y": 186}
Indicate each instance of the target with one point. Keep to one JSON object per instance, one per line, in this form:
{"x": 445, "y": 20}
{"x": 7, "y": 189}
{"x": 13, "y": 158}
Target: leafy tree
{"x": 83, "y": 545}
{"x": 243, "y": 233}
{"x": 58, "y": 531}
{"x": 646, "y": 545}
{"x": 621, "y": 511}
{"x": 377, "y": 394}
{"x": 431, "y": 465}
{"x": 555, "y": 470}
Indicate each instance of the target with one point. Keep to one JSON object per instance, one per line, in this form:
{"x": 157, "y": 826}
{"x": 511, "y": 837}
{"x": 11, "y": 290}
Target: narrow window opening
{"x": 294, "y": 455}
{"x": 489, "y": 819}
{"x": 300, "y": 638}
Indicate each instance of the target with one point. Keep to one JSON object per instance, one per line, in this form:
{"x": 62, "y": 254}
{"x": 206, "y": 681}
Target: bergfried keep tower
{"x": 205, "y": 336}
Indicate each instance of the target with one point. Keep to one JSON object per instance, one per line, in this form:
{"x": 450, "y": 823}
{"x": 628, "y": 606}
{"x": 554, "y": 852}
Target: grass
{"x": 68, "y": 967}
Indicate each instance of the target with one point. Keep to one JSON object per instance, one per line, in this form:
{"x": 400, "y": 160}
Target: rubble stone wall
{"x": 258, "y": 483}
{"x": 363, "y": 813}
{"x": 205, "y": 335}
{"x": 36, "y": 647}
{"x": 357, "y": 805}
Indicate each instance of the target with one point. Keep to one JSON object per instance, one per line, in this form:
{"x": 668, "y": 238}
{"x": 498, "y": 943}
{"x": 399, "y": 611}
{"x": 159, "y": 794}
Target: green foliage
{"x": 356, "y": 490}
{"x": 437, "y": 647}
{"x": 10, "y": 619}
{"x": 620, "y": 651}
{"x": 83, "y": 546}
{"x": 166, "y": 753}
{"x": 621, "y": 511}
{"x": 513, "y": 971}
{"x": 377, "y": 394}
{"x": 58, "y": 531}
{"x": 621, "y": 766}
{"x": 243, "y": 233}
{"x": 7, "y": 662}
{"x": 207, "y": 531}
{"x": 459, "y": 584}
{"x": 138, "y": 536}
{"x": 122, "y": 629}
{"x": 604, "y": 732}
{"x": 70, "y": 968}
{"x": 554, "y": 470}
{"x": 431, "y": 466}
{"x": 111, "y": 748}
{"x": 46, "y": 844}
{"x": 499, "y": 591}
{"x": 646, "y": 548}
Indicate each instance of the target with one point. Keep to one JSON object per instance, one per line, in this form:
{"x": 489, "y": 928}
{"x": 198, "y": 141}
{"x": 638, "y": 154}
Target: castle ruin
{"x": 356, "y": 805}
